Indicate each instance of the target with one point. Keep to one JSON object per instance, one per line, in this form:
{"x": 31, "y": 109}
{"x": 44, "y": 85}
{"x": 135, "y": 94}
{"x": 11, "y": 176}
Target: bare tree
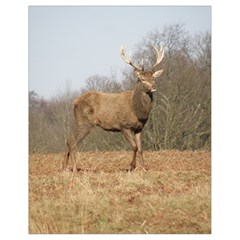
{"x": 125, "y": 112}
{"x": 101, "y": 84}
{"x": 181, "y": 113}
{"x": 181, "y": 116}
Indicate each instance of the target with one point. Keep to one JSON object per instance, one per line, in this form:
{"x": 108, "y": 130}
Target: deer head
{"x": 147, "y": 78}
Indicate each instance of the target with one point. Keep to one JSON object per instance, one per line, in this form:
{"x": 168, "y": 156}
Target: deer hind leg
{"x": 130, "y": 137}
{"x": 81, "y": 132}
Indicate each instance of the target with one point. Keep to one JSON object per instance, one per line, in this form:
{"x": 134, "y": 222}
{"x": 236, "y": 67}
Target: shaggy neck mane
{"x": 141, "y": 102}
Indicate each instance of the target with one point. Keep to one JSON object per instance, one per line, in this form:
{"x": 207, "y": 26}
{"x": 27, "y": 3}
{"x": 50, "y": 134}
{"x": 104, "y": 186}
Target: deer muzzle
{"x": 153, "y": 87}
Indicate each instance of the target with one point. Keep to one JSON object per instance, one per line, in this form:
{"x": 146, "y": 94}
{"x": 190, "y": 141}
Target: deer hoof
{"x": 132, "y": 167}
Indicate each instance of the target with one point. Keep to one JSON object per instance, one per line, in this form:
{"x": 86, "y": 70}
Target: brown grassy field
{"x": 172, "y": 196}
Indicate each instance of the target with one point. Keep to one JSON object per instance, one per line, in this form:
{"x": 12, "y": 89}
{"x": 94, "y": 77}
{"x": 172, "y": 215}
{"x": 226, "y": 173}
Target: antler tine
{"x": 122, "y": 51}
{"x": 160, "y": 54}
{"x": 142, "y": 64}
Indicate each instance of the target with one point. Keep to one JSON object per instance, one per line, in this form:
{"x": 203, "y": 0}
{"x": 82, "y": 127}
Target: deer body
{"x": 125, "y": 112}
{"x": 114, "y": 111}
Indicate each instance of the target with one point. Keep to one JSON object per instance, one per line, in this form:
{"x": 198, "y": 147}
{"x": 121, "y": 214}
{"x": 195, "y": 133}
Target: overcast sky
{"x": 74, "y": 43}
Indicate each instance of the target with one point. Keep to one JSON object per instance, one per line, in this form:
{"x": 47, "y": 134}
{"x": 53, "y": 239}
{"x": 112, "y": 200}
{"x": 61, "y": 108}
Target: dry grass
{"x": 173, "y": 196}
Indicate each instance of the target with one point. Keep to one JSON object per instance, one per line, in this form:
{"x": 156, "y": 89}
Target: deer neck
{"x": 141, "y": 102}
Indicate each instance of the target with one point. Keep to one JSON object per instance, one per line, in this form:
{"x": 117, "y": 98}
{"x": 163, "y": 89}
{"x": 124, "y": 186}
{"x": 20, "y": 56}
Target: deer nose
{"x": 153, "y": 89}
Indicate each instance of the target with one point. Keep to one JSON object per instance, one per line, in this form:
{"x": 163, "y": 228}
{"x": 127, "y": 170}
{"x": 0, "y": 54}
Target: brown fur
{"x": 125, "y": 112}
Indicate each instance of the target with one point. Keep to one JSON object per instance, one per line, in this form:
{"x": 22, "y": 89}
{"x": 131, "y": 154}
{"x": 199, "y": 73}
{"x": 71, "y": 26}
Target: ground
{"x": 172, "y": 196}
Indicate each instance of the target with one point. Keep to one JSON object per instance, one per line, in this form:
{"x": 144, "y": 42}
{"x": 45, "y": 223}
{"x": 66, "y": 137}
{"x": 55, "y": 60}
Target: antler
{"x": 122, "y": 51}
{"x": 160, "y": 54}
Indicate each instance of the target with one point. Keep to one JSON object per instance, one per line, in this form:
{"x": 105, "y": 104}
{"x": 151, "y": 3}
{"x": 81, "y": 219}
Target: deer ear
{"x": 157, "y": 73}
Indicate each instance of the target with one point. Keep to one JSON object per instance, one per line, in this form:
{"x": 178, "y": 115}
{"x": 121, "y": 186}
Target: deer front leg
{"x": 130, "y": 137}
{"x": 139, "y": 147}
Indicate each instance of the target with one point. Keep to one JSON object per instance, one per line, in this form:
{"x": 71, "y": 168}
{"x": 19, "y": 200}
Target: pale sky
{"x": 74, "y": 43}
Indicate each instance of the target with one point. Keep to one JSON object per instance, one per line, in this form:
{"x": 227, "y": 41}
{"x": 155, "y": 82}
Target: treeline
{"x": 180, "y": 118}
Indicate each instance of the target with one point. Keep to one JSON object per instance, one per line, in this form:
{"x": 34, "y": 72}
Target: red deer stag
{"x": 125, "y": 112}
